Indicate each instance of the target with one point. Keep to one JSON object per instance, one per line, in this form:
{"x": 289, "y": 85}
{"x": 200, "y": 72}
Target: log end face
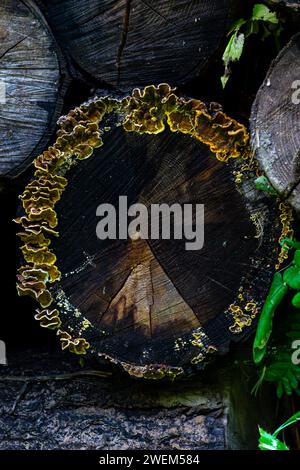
{"x": 30, "y": 85}
{"x": 275, "y": 121}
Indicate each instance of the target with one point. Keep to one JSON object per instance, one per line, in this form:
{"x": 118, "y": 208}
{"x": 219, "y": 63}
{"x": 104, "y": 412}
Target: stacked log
{"x": 148, "y": 307}
{"x": 32, "y": 85}
{"x": 129, "y": 43}
{"x": 275, "y": 123}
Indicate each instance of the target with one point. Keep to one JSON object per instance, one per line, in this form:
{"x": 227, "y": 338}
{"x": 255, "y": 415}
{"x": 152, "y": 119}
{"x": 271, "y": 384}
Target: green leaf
{"x": 283, "y": 372}
{"x": 263, "y": 184}
{"x": 279, "y": 390}
{"x": 293, "y": 419}
{"x": 224, "y": 79}
{"x": 263, "y": 13}
{"x": 252, "y": 28}
{"x": 292, "y": 277}
{"x": 236, "y": 25}
{"x": 270, "y": 442}
{"x": 279, "y": 367}
{"x": 290, "y": 243}
{"x": 296, "y": 300}
{"x": 234, "y": 48}
{"x": 232, "y": 53}
{"x": 296, "y": 259}
{"x": 264, "y": 327}
{"x": 263, "y": 19}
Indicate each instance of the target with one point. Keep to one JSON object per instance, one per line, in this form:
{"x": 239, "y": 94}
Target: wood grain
{"x": 293, "y": 5}
{"x": 143, "y": 297}
{"x": 275, "y": 123}
{"x": 129, "y": 43}
{"x": 32, "y": 82}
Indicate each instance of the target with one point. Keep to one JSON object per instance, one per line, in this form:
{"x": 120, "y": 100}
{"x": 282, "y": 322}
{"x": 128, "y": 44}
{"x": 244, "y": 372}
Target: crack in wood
{"x": 123, "y": 38}
{"x": 154, "y": 10}
{"x": 296, "y": 174}
{"x": 13, "y": 46}
{"x": 220, "y": 284}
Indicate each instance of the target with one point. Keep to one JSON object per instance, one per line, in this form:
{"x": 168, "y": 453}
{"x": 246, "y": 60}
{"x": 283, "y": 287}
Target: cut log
{"x": 148, "y": 304}
{"x": 130, "y": 43}
{"x": 293, "y": 5}
{"x": 31, "y": 85}
{"x": 42, "y": 392}
{"x": 146, "y": 298}
{"x": 275, "y": 123}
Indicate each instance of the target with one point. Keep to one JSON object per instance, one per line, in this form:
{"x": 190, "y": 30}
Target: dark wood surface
{"x": 128, "y": 43}
{"x": 31, "y": 73}
{"x": 48, "y": 402}
{"x": 126, "y": 288}
{"x": 275, "y": 123}
{"x": 144, "y": 297}
{"x": 293, "y": 5}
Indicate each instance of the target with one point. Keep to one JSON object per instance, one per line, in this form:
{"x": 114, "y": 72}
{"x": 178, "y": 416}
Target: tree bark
{"x": 48, "y": 402}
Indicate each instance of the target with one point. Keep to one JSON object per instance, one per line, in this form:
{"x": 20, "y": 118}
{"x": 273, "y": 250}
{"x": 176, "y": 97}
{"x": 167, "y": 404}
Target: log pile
{"x": 131, "y": 43}
{"x": 149, "y": 305}
{"x": 111, "y": 100}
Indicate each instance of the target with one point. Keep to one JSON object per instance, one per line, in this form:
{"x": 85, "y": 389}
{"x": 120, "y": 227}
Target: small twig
{"x": 45, "y": 378}
{"x": 21, "y": 394}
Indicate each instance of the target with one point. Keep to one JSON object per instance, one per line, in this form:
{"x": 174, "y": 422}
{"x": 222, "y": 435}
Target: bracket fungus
{"x": 148, "y": 112}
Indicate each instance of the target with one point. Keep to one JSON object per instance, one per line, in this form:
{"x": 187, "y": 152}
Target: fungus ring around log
{"x": 145, "y": 112}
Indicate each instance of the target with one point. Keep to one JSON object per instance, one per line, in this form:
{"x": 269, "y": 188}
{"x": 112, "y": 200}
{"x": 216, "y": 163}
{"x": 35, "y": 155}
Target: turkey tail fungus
{"x": 151, "y": 306}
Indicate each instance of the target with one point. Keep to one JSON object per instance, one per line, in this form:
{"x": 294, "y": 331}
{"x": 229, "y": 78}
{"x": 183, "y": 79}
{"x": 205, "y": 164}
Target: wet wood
{"x": 31, "y": 84}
